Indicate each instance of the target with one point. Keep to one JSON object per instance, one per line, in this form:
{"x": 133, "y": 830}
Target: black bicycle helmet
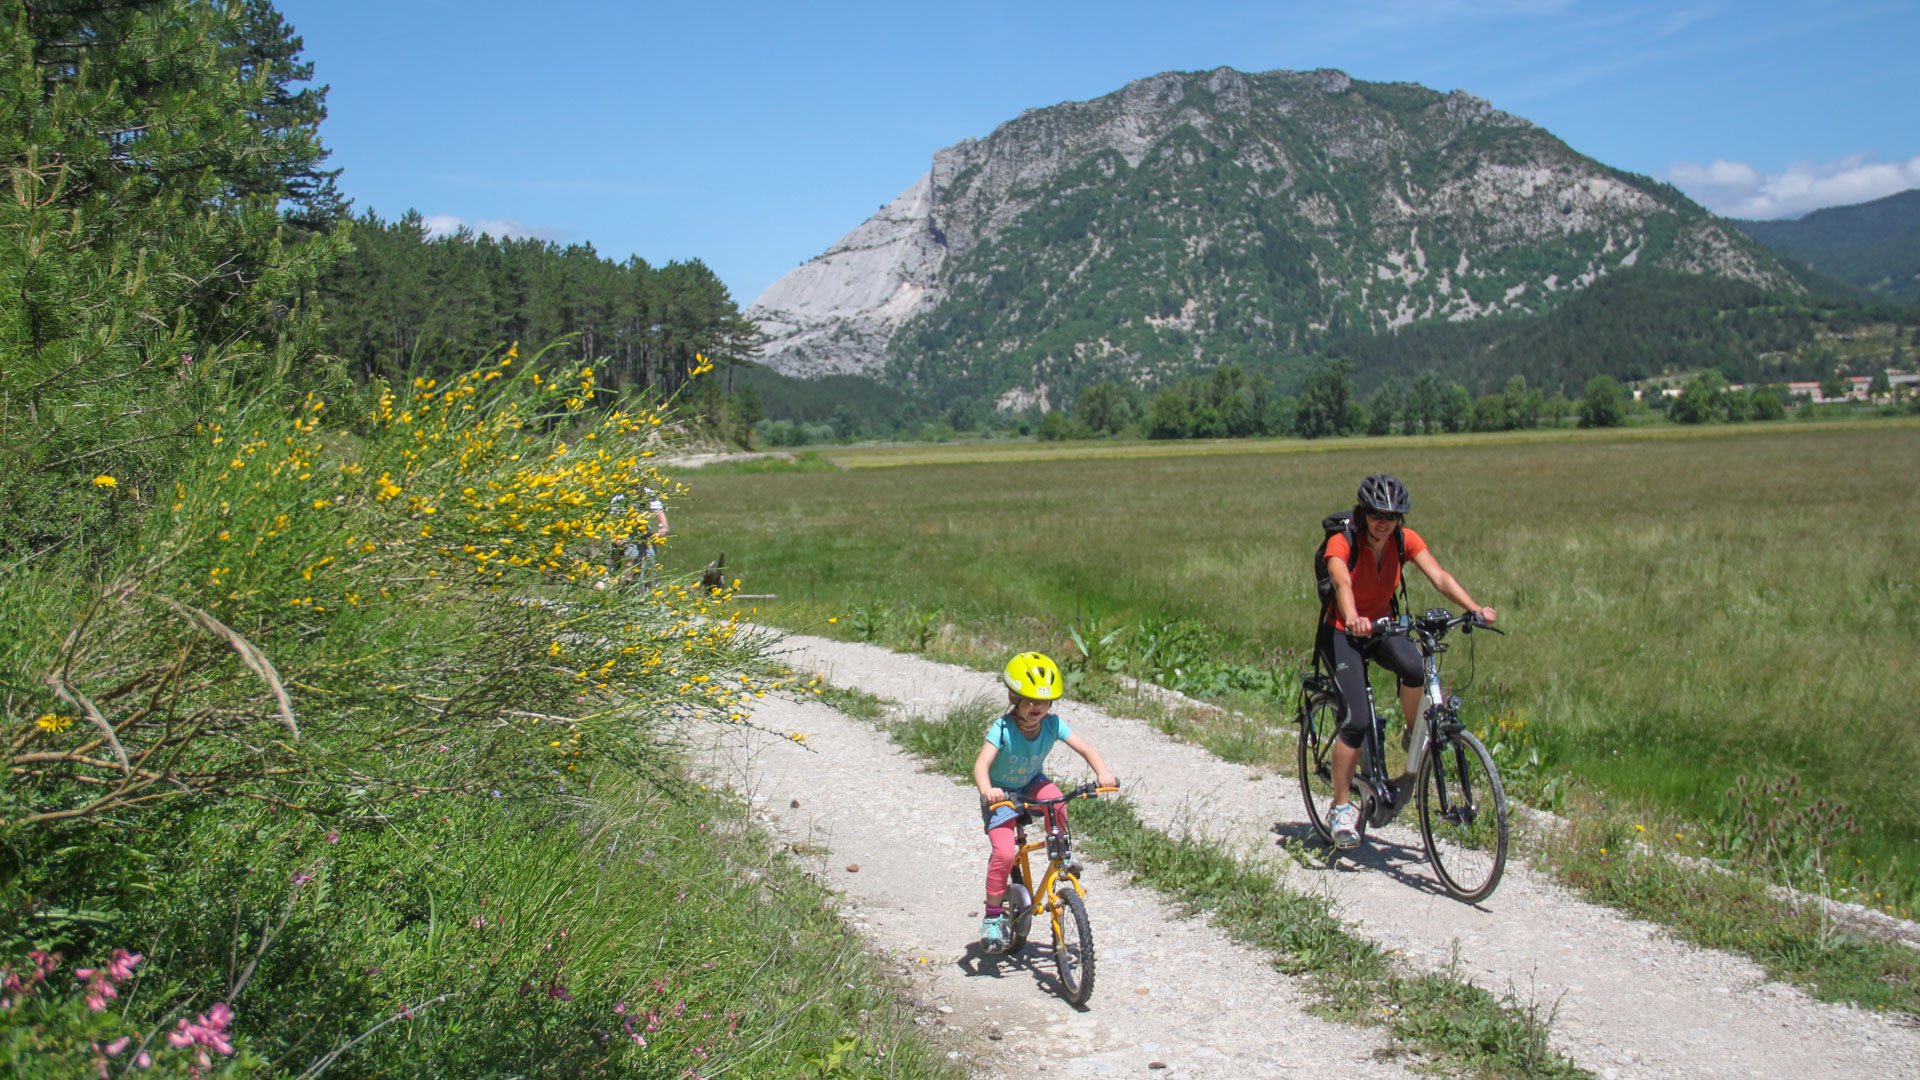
{"x": 1385, "y": 494}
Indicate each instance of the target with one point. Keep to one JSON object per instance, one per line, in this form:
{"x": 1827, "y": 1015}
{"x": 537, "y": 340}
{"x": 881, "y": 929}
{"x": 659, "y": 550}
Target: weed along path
{"x": 1169, "y": 992}
{"x": 1627, "y": 1000}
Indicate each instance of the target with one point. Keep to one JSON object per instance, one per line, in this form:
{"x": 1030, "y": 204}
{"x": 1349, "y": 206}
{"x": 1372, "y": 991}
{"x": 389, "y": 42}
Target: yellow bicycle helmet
{"x": 1034, "y": 675}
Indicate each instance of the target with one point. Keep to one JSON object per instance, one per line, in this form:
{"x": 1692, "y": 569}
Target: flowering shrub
{"x": 59, "y": 1024}
{"x": 328, "y": 615}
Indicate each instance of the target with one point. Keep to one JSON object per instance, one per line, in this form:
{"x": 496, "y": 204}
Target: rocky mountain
{"x": 1874, "y": 245}
{"x": 1192, "y": 219}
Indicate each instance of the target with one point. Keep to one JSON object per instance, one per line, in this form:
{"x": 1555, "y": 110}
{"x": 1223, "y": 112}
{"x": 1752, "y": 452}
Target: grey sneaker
{"x": 993, "y": 934}
{"x": 1345, "y": 820}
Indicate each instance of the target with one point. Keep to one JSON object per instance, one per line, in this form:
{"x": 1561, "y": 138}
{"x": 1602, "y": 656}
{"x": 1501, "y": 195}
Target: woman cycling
{"x": 1363, "y": 586}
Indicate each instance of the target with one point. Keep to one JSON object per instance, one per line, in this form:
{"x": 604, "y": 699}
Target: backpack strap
{"x": 1400, "y": 547}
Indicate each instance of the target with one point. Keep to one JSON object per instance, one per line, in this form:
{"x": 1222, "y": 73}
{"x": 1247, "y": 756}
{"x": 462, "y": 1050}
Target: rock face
{"x": 835, "y": 314}
{"x": 1192, "y": 219}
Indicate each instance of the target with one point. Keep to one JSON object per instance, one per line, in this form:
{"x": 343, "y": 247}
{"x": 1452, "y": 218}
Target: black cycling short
{"x": 1346, "y": 657}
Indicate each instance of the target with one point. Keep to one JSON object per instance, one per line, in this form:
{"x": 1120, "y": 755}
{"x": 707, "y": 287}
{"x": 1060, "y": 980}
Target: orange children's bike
{"x": 1058, "y": 892}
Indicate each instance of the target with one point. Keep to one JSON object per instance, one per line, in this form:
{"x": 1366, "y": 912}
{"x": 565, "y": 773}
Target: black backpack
{"x": 1342, "y": 523}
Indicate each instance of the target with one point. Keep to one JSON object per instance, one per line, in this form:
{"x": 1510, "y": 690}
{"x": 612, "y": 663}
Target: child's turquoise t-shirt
{"x": 1021, "y": 760}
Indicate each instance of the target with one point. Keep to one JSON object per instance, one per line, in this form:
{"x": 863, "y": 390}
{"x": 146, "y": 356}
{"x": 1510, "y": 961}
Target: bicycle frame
{"x": 1042, "y": 892}
{"x": 1373, "y": 789}
{"x": 1057, "y": 842}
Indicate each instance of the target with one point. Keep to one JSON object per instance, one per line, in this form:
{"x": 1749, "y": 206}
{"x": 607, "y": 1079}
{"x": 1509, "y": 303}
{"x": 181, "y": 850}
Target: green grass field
{"x": 1684, "y": 608}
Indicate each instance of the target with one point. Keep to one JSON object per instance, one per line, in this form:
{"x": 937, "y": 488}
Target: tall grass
{"x": 1683, "y": 611}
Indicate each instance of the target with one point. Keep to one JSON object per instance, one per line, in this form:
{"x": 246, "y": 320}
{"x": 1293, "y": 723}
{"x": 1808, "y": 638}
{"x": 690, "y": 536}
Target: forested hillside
{"x": 1632, "y": 326}
{"x": 405, "y": 303}
{"x": 1873, "y": 245}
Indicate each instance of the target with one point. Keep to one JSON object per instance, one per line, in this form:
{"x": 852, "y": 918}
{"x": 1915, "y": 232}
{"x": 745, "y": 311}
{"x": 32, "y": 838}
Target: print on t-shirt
{"x": 1021, "y": 759}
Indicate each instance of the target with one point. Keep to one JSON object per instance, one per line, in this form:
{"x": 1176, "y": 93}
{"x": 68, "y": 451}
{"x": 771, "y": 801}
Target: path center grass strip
{"x": 1449, "y": 1021}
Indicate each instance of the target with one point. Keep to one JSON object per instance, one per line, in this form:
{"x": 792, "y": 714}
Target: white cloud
{"x": 499, "y": 228}
{"x": 1737, "y": 189}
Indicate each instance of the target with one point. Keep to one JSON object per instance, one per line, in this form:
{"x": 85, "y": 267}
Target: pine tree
{"x": 146, "y": 285}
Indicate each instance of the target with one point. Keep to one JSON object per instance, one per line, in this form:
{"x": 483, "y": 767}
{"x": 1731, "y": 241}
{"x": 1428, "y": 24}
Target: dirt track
{"x": 1632, "y": 1002}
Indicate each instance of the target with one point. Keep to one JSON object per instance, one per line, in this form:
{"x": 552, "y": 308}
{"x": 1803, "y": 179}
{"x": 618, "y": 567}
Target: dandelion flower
{"x": 53, "y": 724}
{"x": 105, "y": 481}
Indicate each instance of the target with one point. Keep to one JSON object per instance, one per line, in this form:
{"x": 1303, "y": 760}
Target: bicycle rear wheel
{"x": 1463, "y": 817}
{"x": 1018, "y": 900}
{"x": 1319, "y": 726}
{"x": 1072, "y": 945}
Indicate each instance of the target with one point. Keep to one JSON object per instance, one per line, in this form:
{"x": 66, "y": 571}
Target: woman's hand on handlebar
{"x": 1487, "y": 615}
{"x": 1361, "y": 626}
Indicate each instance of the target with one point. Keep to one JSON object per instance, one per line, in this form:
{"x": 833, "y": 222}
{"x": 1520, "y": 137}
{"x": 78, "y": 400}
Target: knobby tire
{"x": 1073, "y": 946}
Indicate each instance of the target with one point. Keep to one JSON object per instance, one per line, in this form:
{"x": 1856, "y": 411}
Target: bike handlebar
{"x": 1435, "y": 623}
{"x": 1021, "y": 803}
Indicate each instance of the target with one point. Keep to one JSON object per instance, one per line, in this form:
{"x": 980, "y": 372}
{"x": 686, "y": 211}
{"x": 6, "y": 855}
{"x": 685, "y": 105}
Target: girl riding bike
{"x": 1011, "y": 762}
{"x": 1364, "y": 582}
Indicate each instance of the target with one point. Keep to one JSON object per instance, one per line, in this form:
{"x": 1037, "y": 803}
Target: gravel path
{"x": 1632, "y": 1002}
{"x": 1171, "y": 991}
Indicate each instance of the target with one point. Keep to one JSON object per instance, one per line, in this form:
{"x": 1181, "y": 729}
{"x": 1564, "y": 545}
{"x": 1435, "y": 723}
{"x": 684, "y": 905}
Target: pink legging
{"x": 1000, "y": 864}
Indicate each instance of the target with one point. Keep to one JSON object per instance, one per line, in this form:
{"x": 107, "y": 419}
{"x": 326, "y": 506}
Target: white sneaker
{"x": 1345, "y": 820}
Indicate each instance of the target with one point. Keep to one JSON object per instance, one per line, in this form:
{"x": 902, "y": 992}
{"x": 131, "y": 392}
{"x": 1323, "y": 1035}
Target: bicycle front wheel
{"x": 1072, "y": 945}
{"x": 1319, "y": 725}
{"x": 1463, "y": 817}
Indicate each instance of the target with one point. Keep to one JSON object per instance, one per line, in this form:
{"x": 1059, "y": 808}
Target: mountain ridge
{"x": 1874, "y": 245}
{"x": 1190, "y": 219}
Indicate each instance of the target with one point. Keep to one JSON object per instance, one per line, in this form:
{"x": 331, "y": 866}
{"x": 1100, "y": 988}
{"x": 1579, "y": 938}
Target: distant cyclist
{"x": 635, "y": 551}
{"x": 1363, "y": 586}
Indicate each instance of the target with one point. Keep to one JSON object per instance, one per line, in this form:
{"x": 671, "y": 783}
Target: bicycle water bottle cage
{"x": 1058, "y": 849}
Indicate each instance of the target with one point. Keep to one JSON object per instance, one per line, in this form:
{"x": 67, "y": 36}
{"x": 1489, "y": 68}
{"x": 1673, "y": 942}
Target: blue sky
{"x": 753, "y": 135}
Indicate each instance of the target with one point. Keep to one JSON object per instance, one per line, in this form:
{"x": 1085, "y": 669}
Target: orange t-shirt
{"x": 1374, "y": 579}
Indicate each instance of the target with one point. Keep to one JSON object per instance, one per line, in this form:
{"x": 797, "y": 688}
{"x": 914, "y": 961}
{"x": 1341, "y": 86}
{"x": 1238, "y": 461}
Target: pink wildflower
{"x": 113, "y": 1048}
{"x": 208, "y": 1031}
{"x": 333, "y": 837}
{"x": 120, "y": 965}
{"x": 557, "y": 989}
{"x": 301, "y": 879}
{"x": 145, "y": 1060}
{"x": 620, "y": 1009}
{"x": 45, "y": 962}
{"x": 99, "y": 987}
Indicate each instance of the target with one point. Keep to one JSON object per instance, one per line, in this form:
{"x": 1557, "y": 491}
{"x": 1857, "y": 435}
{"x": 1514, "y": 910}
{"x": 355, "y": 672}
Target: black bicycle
{"x": 1463, "y": 809}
